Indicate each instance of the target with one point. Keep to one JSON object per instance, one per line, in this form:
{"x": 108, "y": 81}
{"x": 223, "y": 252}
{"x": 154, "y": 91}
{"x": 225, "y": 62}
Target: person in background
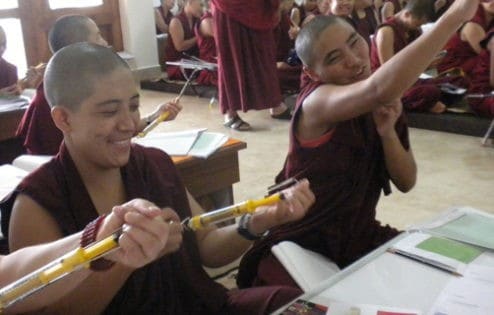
{"x": 8, "y": 72}
{"x": 163, "y": 15}
{"x": 37, "y": 129}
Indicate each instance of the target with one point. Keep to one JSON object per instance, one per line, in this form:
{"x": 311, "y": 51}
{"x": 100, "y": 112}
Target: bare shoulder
{"x": 31, "y": 224}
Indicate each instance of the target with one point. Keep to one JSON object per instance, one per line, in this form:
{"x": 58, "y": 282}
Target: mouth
{"x": 124, "y": 143}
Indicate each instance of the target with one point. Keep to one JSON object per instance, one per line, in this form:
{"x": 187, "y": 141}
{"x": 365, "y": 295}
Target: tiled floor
{"x": 452, "y": 169}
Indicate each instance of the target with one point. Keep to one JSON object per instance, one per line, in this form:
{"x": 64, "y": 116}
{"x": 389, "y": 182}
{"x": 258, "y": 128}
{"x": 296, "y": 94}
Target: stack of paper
{"x": 442, "y": 253}
{"x": 29, "y": 162}
{"x": 306, "y": 267}
{"x": 11, "y": 177}
{"x": 173, "y": 143}
{"x": 198, "y": 142}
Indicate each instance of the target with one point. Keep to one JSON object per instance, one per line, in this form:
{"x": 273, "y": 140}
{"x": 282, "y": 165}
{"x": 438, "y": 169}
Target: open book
{"x": 198, "y": 142}
{"x": 306, "y": 267}
{"x": 442, "y": 253}
{"x": 464, "y": 224}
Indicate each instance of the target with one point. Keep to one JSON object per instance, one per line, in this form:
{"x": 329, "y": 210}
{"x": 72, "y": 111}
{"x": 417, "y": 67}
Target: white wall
{"x": 139, "y": 36}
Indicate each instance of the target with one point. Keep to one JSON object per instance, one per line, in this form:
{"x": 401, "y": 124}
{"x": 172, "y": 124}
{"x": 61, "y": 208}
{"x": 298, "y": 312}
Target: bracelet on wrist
{"x": 243, "y": 229}
{"x": 88, "y": 237}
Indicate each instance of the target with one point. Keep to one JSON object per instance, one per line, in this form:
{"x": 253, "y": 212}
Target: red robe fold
{"x": 172, "y": 54}
{"x": 247, "y": 76}
{"x": 173, "y": 284}
{"x": 258, "y": 15}
{"x": 460, "y": 53}
{"x": 347, "y": 173}
{"x": 424, "y": 94}
{"x": 367, "y": 25}
{"x": 207, "y": 52}
{"x": 480, "y": 81}
{"x": 37, "y": 129}
{"x": 8, "y": 73}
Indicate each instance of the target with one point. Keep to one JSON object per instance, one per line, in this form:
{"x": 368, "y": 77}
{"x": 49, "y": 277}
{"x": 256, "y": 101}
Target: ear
{"x": 60, "y": 116}
{"x": 311, "y": 73}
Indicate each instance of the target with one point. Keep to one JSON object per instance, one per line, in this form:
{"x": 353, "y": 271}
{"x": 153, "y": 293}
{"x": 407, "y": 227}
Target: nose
{"x": 352, "y": 60}
{"x": 128, "y": 121}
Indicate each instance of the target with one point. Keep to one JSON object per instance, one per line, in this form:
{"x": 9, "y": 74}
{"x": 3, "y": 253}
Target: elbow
{"x": 406, "y": 185}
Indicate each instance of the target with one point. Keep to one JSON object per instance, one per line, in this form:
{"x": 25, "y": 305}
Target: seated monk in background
{"x": 349, "y": 137}
{"x": 393, "y": 36}
{"x": 364, "y": 17}
{"x": 163, "y": 16}
{"x": 182, "y": 38}
{"x": 482, "y": 79}
{"x": 284, "y": 35}
{"x": 8, "y": 72}
{"x": 37, "y": 129}
{"x": 463, "y": 47}
{"x": 97, "y": 109}
{"x": 207, "y": 48}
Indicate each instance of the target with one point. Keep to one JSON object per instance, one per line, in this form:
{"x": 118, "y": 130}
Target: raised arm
{"x": 331, "y": 103}
{"x": 473, "y": 33}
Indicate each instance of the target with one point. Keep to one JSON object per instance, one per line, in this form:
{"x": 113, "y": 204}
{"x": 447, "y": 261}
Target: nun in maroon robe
{"x": 288, "y": 74}
{"x": 8, "y": 74}
{"x": 459, "y": 53}
{"x": 207, "y": 52}
{"x": 425, "y": 93}
{"x": 347, "y": 172}
{"x": 172, "y": 54}
{"x": 480, "y": 82}
{"x": 173, "y": 284}
{"x": 247, "y": 76}
{"x": 366, "y": 25}
{"x": 37, "y": 130}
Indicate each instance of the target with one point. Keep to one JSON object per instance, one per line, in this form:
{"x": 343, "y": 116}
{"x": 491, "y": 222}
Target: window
{"x": 8, "y": 4}
{"x": 61, "y": 4}
{"x": 15, "y": 52}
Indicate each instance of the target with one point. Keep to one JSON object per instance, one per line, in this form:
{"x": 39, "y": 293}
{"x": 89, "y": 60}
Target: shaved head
{"x": 68, "y": 30}
{"x": 310, "y": 34}
{"x": 73, "y": 72}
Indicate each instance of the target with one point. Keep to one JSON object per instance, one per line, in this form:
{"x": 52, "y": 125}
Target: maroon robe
{"x": 167, "y": 18}
{"x": 480, "y": 81}
{"x": 247, "y": 76}
{"x": 8, "y": 74}
{"x": 39, "y": 133}
{"x": 172, "y": 54}
{"x": 424, "y": 94}
{"x": 366, "y": 26}
{"x": 460, "y": 53}
{"x": 207, "y": 52}
{"x": 347, "y": 173}
{"x": 288, "y": 76}
{"x": 173, "y": 284}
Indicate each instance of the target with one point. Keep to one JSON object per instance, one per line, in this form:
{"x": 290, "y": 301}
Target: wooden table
{"x": 210, "y": 180}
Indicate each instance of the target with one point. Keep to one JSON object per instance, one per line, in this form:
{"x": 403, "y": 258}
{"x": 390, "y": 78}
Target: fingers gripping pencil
{"x": 165, "y": 114}
{"x": 81, "y": 257}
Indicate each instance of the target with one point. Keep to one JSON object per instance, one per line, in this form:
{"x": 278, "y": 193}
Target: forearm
{"x": 27, "y": 260}
{"x": 222, "y": 246}
{"x": 186, "y": 44}
{"x": 400, "y": 162}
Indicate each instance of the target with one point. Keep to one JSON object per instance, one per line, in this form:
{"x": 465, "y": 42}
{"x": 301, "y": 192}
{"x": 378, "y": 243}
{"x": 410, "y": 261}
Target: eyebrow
{"x": 335, "y": 51}
{"x": 116, "y": 101}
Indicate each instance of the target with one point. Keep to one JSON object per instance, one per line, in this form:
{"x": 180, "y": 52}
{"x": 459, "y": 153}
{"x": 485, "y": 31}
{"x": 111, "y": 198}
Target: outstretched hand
{"x": 298, "y": 199}
{"x": 149, "y": 232}
{"x": 173, "y": 108}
